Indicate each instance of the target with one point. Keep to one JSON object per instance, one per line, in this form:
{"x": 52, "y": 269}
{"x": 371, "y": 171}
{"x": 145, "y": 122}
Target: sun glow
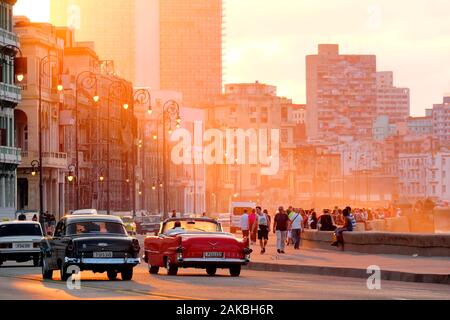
{"x": 35, "y": 10}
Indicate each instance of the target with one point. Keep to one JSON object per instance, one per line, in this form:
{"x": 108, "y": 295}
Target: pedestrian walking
{"x": 22, "y": 217}
{"x": 263, "y": 229}
{"x": 244, "y": 224}
{"x": 35, "y": 219}
{"x": 289, "y": 212}
{"x": 174, "y": 213}
{"x": 280, "y": 227}
{"x": 253, "y": 226}
{"x": 296, "y": 228}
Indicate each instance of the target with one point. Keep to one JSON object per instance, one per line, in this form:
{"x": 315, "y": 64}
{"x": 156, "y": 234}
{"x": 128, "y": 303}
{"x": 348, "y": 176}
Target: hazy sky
{"x": 267, "y": 40}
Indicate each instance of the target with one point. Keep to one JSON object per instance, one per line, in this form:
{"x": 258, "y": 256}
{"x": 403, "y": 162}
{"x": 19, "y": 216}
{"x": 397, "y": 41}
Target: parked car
{"x": 129, "y": 224}
{"x": 195, "y": 243}
{"x": 19, "y": 241}
{"x": 83, "y": 212}
{"x": 148, "y": 224}
{"x": 98, "y": 243}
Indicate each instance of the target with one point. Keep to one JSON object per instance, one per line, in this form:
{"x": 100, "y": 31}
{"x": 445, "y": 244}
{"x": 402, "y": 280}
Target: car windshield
{"x": 95, "y": 227}
{"x": 192, "y": 225}
{"x": 28, "y": 229}
{"x": 127, "y": 219}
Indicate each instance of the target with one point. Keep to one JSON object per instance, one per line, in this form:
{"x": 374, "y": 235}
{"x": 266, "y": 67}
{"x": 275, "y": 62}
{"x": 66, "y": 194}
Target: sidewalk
{"x": 350, "y": 264}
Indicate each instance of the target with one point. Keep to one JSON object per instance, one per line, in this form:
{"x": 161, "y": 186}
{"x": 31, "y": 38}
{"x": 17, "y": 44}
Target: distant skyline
{"x": 268, "y": 41}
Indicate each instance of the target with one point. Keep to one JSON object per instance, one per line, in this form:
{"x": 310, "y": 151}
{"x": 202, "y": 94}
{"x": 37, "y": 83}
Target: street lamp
{"x": 115, "y": 86}
{"x": 171, "y": 111}
{"x": 86, "y": 80}
{"x": 20, "y": 63}
{"x": 142, "y": 98}
{"x": 70, "y": 177}
{"x": 43, "y": 63}
{"x": 34, "y": 167}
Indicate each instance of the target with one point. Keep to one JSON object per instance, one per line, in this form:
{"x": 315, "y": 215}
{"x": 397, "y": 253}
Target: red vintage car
{"x": 195, "y": 243}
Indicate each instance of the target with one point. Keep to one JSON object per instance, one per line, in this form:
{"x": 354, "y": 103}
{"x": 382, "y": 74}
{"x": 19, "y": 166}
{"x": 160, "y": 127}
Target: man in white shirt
{"x": 244, "y": 224}
{"x": 296, "y": 221}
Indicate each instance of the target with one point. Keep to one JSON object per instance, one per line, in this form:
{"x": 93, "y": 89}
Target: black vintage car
{"x": 98, "y": 243}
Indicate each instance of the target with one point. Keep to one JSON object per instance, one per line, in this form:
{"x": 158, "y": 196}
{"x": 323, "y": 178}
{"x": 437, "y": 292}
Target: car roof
{"x": 18, "y": 222}
{"x": 91, "y": 217}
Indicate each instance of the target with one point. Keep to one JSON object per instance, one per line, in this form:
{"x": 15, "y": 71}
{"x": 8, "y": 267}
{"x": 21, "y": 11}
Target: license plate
{"x": 22, "y": 245}
{"x": 106, "y": 254}
{"x": 213, "y": 254}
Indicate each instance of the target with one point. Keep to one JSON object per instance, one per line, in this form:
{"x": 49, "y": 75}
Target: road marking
{"x": 136, "y": 291}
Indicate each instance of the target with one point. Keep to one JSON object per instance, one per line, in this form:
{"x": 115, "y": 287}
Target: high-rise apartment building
{"x": 10, "y": 96}
{"x": 191, "y": 48}
{"x": 110, "y": 24}
{"x": 163, "y": 44}
{"x": 341, "y": 93}
{"x": 391, "y": 101}
{"x": 441, "y": 121}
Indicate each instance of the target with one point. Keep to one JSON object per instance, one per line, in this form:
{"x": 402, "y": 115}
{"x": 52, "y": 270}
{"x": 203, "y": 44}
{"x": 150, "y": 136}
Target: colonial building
{"x": 43, "y": 50}
{"x": 10, "y": 96}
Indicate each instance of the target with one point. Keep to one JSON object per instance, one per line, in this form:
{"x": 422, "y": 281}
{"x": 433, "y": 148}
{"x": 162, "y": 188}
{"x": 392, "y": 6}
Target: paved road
{"x": 19, "y": 281}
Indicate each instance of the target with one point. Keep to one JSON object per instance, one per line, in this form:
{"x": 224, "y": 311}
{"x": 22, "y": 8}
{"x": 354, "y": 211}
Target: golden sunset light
{"x": 245, "y": 153}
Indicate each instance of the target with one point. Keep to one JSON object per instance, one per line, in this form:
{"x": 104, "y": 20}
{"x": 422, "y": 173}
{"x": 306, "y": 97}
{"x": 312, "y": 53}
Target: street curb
{"x": 349, "y": 272}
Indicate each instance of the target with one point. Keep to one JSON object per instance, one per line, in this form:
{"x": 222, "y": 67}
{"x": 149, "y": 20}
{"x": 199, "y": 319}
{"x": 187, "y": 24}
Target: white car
{"x": 84, "y": 212}
{"x": 20, "y": 241}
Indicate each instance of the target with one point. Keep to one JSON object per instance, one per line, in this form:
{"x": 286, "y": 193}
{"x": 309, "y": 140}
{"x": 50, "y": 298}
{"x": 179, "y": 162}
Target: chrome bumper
{"x": 102, "y": 260}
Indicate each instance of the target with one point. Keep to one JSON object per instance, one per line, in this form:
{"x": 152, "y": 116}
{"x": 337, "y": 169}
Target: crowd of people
{"x": 287, "y": 225}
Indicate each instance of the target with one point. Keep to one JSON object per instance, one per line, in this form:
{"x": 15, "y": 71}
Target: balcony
{"x": 8, "y": 38}
{"x": 56, "y": 160}
{"x": 10, "y": 155}
{"x": 10, "y": 93}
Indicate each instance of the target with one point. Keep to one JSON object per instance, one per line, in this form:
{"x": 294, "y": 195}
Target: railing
{"x": 10, "y": 155}
{"x": 10, "y": 92}
{"x": 49, "y": 159}
{"x": 8, "y": 38}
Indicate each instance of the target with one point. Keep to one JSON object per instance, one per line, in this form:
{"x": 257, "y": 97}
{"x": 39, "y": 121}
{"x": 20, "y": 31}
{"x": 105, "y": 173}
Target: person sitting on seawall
{"x": 348, "y": 226}
{"x": 313, "y": 221}
{"x": 325, "y": 222}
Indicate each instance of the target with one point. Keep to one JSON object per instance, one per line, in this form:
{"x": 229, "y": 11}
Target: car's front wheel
{"x": 46, "y": 272}
{"x": 211, "y": 271}
{"x": 172, "y": 269}
{"x": 127, "y": 274}
{"x": 112, "y": 274}
{"x": 36, "y": 261}
{"x": 235, "y": 271}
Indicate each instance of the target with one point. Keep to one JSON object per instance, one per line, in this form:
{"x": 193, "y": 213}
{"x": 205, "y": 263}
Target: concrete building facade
{"x": 341, "y": 93}
{"x": 441, "y": 121}
{"x": 391, "y": 101}
{"x": 162, "y": 44}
